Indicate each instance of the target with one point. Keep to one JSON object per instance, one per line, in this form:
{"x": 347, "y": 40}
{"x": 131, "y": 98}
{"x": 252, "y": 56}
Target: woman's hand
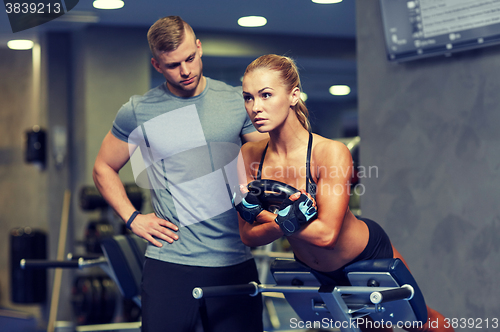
{"x": 296, "y": 196}
{"x": 247, "y": 204}
{"x": 298, "y": 210}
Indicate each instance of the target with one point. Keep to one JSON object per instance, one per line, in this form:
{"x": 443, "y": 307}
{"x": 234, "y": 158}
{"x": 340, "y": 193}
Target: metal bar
{"x": 402, "y": 293}
{"x": 69, "y": 264}
{"x": 287, "y": 289}
{"x": 213, "y": 291}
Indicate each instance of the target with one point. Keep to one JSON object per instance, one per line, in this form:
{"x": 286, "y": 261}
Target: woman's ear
{"x": 295, "y": 96}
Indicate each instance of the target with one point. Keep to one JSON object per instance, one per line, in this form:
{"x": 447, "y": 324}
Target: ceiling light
{"x": 20, "y": 44}
{"x": 340, "y": 90}
{"x": 252, "y": 21}
{"x": 326, "y": 2}
{"x": 108, "y": 4}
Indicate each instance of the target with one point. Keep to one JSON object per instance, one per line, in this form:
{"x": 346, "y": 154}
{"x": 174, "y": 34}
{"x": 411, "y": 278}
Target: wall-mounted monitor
{"x": 421, "y": 28}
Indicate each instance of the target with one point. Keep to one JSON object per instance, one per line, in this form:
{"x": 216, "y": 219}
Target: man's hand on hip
{"x": 149, "y": 227}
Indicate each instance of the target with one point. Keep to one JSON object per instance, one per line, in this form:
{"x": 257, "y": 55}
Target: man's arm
{"x": 112, "y": 156}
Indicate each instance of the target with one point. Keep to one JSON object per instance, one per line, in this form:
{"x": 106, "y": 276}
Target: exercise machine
{"x": 383, "y": 289}
{"x": 122, "y": 261}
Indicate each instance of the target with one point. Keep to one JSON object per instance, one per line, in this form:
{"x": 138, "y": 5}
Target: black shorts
{"x": 379, "y": 246}
{"x": 168, "y": 304}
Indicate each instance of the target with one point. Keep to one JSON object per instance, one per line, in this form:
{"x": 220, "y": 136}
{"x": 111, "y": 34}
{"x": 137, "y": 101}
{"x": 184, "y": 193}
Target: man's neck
{"x": 189, "y": 94}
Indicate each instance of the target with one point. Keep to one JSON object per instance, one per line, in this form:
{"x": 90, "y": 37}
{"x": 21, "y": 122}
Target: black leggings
{"x": 168, "y": 304}
{"x": 379, "y": 246}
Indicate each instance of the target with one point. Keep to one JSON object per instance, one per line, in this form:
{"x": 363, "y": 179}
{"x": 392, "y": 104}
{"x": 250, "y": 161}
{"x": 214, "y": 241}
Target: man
{"x": 187, "y": 130}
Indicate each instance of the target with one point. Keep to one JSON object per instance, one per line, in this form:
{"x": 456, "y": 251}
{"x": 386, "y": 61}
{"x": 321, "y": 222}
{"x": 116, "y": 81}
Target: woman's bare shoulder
{"x": 253, "y": 150}
{"x": 327, "y": 151}
{"x": 329, "y": 145}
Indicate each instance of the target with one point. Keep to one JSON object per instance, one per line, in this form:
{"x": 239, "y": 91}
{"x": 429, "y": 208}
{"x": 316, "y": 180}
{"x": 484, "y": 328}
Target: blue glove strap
{"x": 248, "y": 208}
{"x": 292, "y": 215}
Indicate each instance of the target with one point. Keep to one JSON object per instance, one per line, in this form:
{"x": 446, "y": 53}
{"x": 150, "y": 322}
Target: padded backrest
{"x": 125, "y": 254}
{"x": 389, "y": 272}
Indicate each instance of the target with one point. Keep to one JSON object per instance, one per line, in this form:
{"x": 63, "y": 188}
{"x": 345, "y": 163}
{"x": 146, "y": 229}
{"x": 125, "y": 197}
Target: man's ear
{"x": 198, "y": 45}
{"x": 156, "y": 65}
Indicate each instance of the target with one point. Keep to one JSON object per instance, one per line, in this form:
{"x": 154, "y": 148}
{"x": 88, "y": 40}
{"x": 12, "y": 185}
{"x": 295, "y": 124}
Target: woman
{"x": 319, "y": 226}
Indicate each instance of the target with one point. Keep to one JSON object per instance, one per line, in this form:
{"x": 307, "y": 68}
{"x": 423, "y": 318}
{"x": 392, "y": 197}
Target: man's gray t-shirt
{"x": 189, "y": 148}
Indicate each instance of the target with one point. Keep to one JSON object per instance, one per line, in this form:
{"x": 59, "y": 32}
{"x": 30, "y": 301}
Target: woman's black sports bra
{"x": 310, "y": 184}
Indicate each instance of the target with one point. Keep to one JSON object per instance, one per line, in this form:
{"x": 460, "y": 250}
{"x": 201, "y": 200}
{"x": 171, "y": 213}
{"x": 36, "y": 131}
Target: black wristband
{"x": 132, "y": 217}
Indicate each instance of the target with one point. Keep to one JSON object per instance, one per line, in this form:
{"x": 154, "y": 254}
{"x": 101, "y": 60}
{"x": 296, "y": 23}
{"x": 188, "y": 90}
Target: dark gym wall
{"x": 113, "y": 65}
{"x": 85, "y": 77}
{"x": 20, "y": 201}
{"x": 431, "y": 129}
{"x": 109, "y": 65}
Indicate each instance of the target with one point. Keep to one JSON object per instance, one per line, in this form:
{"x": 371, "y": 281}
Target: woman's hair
{"x": 289, "y": 76}
{"x": 166, "y": 34}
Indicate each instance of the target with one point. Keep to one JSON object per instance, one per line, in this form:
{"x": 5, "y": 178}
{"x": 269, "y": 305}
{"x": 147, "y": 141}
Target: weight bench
{"x": 123, "y": 261}
{"x": 382, "y": 289}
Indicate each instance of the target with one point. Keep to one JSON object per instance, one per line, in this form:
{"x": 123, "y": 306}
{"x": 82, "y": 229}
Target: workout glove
{"x": 249, "y": 206}
{"x": 293, "y": 214}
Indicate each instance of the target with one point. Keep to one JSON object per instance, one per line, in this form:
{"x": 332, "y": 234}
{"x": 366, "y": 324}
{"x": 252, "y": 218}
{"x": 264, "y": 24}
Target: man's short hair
{"x": 166, "y": 34}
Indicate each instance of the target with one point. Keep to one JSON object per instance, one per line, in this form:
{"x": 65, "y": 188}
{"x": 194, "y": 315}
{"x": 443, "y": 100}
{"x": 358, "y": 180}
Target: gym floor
{"x": 277, "y": 318}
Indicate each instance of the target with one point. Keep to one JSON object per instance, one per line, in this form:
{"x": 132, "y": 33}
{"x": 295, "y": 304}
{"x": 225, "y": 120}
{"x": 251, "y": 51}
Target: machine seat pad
{"x": 287, "y": 265}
